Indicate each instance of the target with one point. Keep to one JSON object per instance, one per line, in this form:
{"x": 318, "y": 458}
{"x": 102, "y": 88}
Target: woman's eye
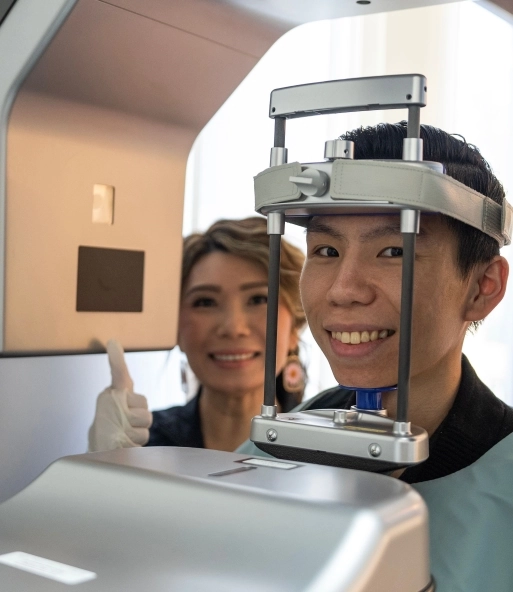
{"x": 203, "y": 302}
{"x": 258, "y": 299}
{"x": 391, "y": 252}
{"x": 327, "y": 252}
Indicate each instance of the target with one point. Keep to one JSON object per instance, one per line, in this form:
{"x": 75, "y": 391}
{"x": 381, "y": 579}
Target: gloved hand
{"x": 122, "y": 418}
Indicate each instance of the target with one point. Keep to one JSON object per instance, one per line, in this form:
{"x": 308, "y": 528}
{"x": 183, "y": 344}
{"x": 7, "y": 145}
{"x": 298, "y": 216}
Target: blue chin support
{"x": 369, "y": 399}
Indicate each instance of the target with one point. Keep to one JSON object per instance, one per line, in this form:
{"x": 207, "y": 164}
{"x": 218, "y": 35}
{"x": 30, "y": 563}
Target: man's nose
{"x": 353, "y": 284}
{"x": 233, "y": 322}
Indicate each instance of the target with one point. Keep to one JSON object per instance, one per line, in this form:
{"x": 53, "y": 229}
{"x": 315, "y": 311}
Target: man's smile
{"x": 357, "y": 337}
{"x": 353, "y": 342}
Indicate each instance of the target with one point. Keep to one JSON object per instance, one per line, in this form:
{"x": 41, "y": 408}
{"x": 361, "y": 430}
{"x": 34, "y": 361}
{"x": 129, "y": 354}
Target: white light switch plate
{"x": 103, "y": 204}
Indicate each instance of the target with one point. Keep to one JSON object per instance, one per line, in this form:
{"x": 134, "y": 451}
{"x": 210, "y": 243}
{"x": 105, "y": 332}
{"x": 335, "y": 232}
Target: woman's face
{"x": 223, "y": 322}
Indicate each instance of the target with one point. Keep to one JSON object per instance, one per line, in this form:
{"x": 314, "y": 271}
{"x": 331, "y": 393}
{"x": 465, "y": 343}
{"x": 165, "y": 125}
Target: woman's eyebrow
{"x": 203, "y": 288}
{"x": 217, "y": 289}
{"x": 252, "y": 285}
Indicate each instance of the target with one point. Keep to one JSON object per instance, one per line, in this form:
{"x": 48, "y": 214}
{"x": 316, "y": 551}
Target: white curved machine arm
{"x": 100, "y": 103}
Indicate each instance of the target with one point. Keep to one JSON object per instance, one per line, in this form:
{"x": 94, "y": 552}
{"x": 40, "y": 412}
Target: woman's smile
{"x": 234, "y": 359}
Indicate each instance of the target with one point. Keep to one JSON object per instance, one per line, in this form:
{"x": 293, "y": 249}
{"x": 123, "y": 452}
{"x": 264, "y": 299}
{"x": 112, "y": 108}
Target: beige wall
{"x": 56, "y": 152}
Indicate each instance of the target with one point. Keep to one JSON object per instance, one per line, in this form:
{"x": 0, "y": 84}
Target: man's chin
{"x": 365, "y": 379}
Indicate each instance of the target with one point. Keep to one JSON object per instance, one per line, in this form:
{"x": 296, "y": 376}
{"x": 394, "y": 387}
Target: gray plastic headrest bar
{"x": 395, "y": 183}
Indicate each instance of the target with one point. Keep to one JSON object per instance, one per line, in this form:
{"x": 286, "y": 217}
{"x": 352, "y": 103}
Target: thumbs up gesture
{"x": 122, "y": 418}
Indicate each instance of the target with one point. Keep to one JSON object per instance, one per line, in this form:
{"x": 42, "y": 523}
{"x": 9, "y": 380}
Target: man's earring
{"x": 293, "y": 374}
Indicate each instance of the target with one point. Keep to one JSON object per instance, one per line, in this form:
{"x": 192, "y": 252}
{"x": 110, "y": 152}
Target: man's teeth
{"x": 232, "y": 357}
{"x": 356, "y": 337}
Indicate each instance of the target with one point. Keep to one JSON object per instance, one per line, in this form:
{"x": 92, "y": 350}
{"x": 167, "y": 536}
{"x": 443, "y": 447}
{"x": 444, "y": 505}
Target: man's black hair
{"x": 462, "y": 161}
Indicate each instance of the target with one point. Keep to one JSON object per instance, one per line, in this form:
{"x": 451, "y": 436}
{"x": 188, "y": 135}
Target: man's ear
{"x": 486, "y": 288}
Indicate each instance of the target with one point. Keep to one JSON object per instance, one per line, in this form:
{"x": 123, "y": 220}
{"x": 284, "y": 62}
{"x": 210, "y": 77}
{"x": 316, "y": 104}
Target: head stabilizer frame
{"x": 357, "y": 438}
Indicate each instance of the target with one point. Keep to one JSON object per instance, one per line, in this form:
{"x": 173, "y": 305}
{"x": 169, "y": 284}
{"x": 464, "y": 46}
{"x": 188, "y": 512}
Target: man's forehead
{"x": 368, "y": 226}
{"x": 365, "y": 226}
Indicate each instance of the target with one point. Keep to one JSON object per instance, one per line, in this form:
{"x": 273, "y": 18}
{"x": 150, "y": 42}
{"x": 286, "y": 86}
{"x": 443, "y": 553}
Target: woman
{"x": 221, "y": 329}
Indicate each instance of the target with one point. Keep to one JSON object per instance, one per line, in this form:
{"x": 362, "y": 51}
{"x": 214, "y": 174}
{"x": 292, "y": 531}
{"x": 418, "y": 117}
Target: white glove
{"x": 122, "y": 418}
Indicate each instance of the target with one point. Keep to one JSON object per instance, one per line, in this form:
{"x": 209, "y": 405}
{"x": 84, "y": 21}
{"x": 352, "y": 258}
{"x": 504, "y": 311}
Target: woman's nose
{"x": 233, "y": 322}
{"x": 353, "y": 284}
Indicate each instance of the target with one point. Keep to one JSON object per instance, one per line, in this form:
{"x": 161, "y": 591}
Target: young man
{"x": 350, "y": 289}
{"x": 351, "y": 285}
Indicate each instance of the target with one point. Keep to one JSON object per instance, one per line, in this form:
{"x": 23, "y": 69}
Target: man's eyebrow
{"x": 391, "y": 228}
{"x": 316, "y": 226}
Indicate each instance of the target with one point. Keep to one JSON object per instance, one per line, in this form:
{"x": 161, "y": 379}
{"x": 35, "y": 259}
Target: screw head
{"x": 375, "y": 450}
{"x": 272, "y": 435}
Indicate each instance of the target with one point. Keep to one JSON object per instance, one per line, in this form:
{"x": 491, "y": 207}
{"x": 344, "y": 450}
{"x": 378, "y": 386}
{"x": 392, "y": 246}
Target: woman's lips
{"x": 233, "y": 359}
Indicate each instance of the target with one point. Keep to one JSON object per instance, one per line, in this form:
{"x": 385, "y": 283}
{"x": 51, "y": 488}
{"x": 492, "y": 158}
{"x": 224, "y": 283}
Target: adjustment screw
{"x": 272, "y": 435}
{"x": 334, "y": 149}
{"x": 374, "y": 449}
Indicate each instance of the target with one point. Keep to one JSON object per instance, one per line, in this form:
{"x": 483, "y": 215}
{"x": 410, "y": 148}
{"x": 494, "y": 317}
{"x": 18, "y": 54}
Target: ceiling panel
{"x": 116, "y": 59}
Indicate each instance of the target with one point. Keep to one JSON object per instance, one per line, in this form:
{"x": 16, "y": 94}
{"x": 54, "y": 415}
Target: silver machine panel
{"x": 193, "y": 520}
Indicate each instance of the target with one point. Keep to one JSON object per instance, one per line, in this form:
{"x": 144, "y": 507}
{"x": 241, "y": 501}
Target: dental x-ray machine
{"x": 169, "y": 518}
{"x": 192, "y": 520}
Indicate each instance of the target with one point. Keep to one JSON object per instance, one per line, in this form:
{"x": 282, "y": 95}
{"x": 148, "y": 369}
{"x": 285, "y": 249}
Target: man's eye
{"x": 327, "y": 252}
{"x": 203, "y": 302}
{"x": 391, "y": 252}
{"x": 258, "y": 299}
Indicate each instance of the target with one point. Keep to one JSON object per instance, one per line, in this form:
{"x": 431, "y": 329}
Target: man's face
{"x": 351, "y": 293}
